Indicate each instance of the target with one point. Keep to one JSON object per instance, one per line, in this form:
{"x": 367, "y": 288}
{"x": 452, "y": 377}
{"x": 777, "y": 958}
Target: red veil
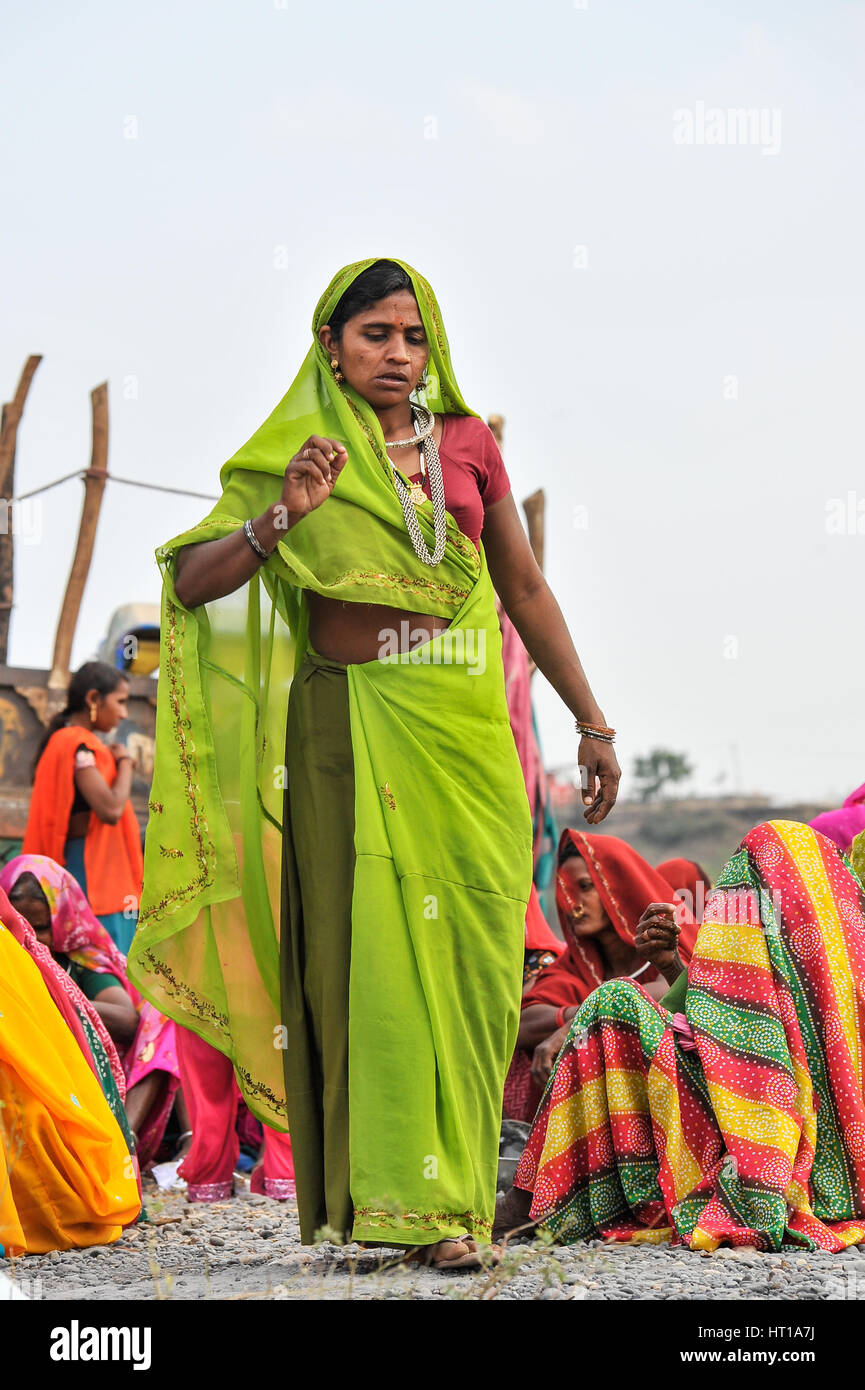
{"x": 685, "y": 875}
{"x": 539, "y": 935}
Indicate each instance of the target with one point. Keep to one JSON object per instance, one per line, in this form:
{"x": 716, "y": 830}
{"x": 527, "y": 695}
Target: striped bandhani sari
{"x": 757, "y": 1136}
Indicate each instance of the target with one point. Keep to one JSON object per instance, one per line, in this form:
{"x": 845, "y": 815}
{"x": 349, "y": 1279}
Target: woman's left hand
{"x": 531, "y": 607}
{"x": 599, "y": 778}
{"x": 657, "y": 938}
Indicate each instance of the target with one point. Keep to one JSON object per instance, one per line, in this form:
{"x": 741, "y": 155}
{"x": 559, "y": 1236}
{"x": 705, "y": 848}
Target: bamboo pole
{"x": 9, "y": 422}
{"x": 94, "y": 486}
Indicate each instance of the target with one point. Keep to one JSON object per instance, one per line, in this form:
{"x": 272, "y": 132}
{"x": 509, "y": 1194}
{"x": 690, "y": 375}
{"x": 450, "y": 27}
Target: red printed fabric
{"x": 758, "y": 1136}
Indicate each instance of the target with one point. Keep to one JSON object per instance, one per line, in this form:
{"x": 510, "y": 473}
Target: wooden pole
{"x": 9, "y": 422}
{"x": 94, "y": 486}
{"x": 533, "y": 507}
{"x": 497, "y": 426}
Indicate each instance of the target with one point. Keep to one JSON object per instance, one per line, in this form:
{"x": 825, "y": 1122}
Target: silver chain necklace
{"x": 431, "y": 462}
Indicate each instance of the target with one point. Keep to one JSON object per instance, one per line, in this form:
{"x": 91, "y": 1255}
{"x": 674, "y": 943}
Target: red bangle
{"x": 560, "y": 1015}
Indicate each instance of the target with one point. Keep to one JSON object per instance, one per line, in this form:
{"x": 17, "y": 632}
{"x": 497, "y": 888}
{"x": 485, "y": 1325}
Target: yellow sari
{"x": 67, "y": 1179}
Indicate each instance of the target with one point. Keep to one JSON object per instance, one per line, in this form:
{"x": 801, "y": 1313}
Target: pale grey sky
{"x": 674, "y": 331}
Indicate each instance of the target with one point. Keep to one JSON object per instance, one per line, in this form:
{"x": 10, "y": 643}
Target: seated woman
{"x": 79, "y": 1015}
{"x": 602, "y": 888}
{"x": 741, "y": 1119}
{"x": 52, "y": 901}
{"x": 543, "y": 947}
{"x": 66, "y": 1178}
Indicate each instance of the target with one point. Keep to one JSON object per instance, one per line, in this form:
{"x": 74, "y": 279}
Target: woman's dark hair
{"x": 373, "y": 284}
{"x": 27, "y": 888}
{"x": 570, "y": 851}
{"x": 93, "y": 675}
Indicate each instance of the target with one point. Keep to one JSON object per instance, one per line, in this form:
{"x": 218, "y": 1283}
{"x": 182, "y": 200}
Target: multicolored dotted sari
{"x": 443, "y": 833}
{"x": 757, "y": 1137}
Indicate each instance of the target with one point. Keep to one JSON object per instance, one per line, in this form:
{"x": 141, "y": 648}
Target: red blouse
{"x": 473, "y": 472}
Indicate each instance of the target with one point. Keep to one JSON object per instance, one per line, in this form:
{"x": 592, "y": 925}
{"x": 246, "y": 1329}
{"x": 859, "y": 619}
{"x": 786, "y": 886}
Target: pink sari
{"x": 213, "y": 1097}
{"x": 515, "y": 660}
{"x": 77, "y": 933}
{"x": 842, "y": 826}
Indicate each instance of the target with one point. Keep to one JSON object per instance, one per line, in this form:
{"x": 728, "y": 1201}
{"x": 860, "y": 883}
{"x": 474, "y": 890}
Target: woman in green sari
{"x": 339, "y": 851}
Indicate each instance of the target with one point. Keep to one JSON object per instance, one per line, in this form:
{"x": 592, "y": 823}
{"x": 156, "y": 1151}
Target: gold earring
{"x": 92, "y": 714}
{"x": 334, "y": 366}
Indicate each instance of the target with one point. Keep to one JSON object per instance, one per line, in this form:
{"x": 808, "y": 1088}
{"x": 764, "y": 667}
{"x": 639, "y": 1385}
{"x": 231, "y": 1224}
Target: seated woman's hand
{"x": 545, "y": 1054}
{"x": 657, "y": 939}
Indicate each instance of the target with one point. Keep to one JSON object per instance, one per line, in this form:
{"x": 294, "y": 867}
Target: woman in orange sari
{"x": 80, "y": 812}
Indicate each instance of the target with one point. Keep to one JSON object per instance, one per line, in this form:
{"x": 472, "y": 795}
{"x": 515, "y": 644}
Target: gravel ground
{"x": 249, "y": 1248}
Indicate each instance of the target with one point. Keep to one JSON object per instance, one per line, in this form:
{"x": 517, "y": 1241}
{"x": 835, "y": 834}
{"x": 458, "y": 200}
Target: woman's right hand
{"x": 208, "y": 570}
{"x": 311, "y": 474}
{"x": 545, "y": 1054}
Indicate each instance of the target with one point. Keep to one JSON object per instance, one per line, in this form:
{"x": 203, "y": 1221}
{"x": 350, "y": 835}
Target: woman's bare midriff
{"x": 352, "y": 632}
{"x": 79, "y": 824}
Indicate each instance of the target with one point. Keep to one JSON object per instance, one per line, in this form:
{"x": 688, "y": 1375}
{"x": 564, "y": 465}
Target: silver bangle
{"x": 254, "y": 541}
{"x": 599, "y": 732}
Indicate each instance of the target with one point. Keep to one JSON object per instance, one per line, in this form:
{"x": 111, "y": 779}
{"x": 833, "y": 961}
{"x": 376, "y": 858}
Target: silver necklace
{"x": 409, "y": 499}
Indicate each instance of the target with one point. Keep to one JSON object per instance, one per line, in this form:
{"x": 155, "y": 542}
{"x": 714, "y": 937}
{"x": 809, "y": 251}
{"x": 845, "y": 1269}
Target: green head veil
{"x": 355, "y": 547}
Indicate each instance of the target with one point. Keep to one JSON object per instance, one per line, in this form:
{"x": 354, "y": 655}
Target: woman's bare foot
{"x": 183, "y": 1146}
{"x": 455, "y": 1253}
{"x": 512, "y": 1214}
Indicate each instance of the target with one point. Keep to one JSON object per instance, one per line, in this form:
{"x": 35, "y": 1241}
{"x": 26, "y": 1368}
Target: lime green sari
{"x": 443, "y": 858}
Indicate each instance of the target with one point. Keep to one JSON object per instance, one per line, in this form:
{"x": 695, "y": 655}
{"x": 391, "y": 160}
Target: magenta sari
{"x": 842, "y": 826}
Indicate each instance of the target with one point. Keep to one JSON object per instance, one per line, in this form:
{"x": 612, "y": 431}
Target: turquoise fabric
{"x": 120, "y": 928}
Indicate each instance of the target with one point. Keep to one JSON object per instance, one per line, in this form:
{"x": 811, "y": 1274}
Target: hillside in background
{"x": 707, "y": 829}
